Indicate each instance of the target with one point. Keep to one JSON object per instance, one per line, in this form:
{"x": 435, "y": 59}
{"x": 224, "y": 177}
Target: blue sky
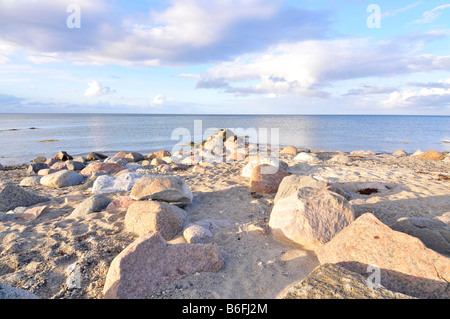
{"x": 225, "y": 56}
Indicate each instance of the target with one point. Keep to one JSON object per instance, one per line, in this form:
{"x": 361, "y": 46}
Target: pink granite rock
{"x": 120, "y": 202}
{"x": 101, "y": 167}
{"x": 33, "y": 213}
{"x": 58, "y": 165}
{"x": 266, "y": 178}
{"x": 150, "y": 261}
{"x": 406, "y": 264}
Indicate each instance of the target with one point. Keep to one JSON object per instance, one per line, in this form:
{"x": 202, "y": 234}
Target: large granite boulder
{"x": 434, "y": 233}
{"x": 150, "y": 262}
{"x": 110, "y": 184}
{"x": 151, "y": 216}
{"x": 310, "y": 217}
{"x": 331, "y": 281}
{"x": 60, "y": 179}
{"x": 170, "y": 189}
{"x": 95, "y": 203}
{"x": 250, "y": 166}
{"x": 101, "y": 167}
{"x": 406, "y": 265}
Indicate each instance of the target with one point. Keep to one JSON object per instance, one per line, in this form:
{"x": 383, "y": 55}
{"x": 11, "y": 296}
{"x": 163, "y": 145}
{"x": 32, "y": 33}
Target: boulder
{"x": 47, "y": 171}
{"x": 331, "y": 281}
{"x": 116, "y": 160}
{"x": 134, "y": 157}
{"x": 266, "y": 178}
{"x": 121, "y": 154}
{"x": 59, "y": 166}
{"x": 161, "y": 154}
{"x": 435, "y": 234}
{"x": 151, "y": 216}
{"x": 50, "y": 161}
{"x": 406, "y": 265}
{"x": 400, "y": 153}
{"x": 95, "y": 203}
{"x": 150, "y": 262}
{"x": 289, "y": 150}
{"x": 63, "y": 156}
{"x": 13, "y": 196}
{"x": 34, "y": 212}
{"x": 340, "y": 159}
{"x": 432, "y": 156}
{"x": 301, "y": 168}
{"x": 64, "y": 178}
{"x": 75, "y": 165}
{"x": 157, "y": 162}
{"x": 417, "y": 153}
{"x": 308, "y": 158}
{"x": 293, "y": 183}
{"x": 248, "y": 168}
{"x": 109, "y": 184}
{"x": 120, "y": 202}
{"x": 31, "y": 181}
{"x": 196, "y": 234}
{"x": 310, "y": 217}
{"x": 94, "y": 156}
{"x": 39, "y": 159}
{"x": 8, "y": 292}
{"x": 35, "y": 168}
{"x": 171, "y": 189}
{"x": 102, "y": 168}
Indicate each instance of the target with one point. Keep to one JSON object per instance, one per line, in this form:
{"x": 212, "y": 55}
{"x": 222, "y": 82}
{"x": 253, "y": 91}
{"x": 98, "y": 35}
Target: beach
{"x": 56, "y": 254}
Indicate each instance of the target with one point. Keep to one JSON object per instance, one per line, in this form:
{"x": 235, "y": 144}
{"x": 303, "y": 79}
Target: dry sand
{"x": 37, "y": 255}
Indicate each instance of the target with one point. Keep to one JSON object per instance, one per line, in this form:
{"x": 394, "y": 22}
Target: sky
{"x": 225, "y": 57}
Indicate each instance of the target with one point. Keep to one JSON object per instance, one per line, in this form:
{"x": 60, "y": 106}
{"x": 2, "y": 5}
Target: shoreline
{"x": 40, "y": 255}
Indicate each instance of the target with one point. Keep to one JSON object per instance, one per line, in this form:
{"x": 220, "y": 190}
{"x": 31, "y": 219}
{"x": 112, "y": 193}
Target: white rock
{"x": 248, "y": 169}
{"x": 308, "y": 158}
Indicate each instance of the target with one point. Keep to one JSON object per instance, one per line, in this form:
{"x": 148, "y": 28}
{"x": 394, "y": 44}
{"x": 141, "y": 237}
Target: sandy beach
{"x": 41, "y": 255}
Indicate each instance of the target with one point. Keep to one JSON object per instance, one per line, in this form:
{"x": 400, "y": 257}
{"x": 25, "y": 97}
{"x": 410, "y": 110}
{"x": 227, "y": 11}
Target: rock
{"x": 63, "y": 156}
{"x": 101, "y": 167}
{"x": 290, "y": 150}
{"x": 34, "y": 168}
{"x": 330, "y": 281}
{"x": 266, "y": 178}
{"x": 8, "y": 292}
{"x": 47, "y": 171}
{"x": 444, "y": 218}
{"x": 64, "y": 178}
{"x": 50, "y": 162}
{"x": 248, "y": 168}
{"x": 196, "y": 234}
{"x": 225, "y": 134}
{"x": 133, "y": 275}
{"x": 171, "y": 189}
{"x": 431, "y": 156}
{"x": 434, "y": 233}
{"x": 95, "y": 203}
{"x": 417, "y": 153}
{"x": 310, "y": 217}
{"x": 59, "y": 166}
{"x": 33, "y": 213}
{"x": 134, "y": 157}
{"x": 405, "y": 264}
{"x": 1, "y": 167}
{"x": 121, "y": 154}
{"x": 161, "y": 154}
{"x": 301, "y": 168}
{"x": 308, "y": 158}
{"x": 80, "y": 159}
{"x": 340, "y": 159}
{"x": 108, "y": 184}
{"x": 151, "y": 216}
{"x": 94, "y": 156}
{"x": 120, "y": 202}
{"x": 293, "y": 183}
{"x": 13, "y": 196}
{"x": 400, "y": 153}
{"x": 39, "y": 159}
{"x": 31, "y": 181}
{"x": 116, "y": 160}
{"x": 157, "y": 162}
{"x": 75, "y": 165}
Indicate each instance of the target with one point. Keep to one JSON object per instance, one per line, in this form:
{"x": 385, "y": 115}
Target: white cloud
{"x": 160, "y": 100}
{"x": 426, "y": 97}
{"x": 96, "y": 89}
{"x": 431, "y": 15}
{"x": 393, "y": 13}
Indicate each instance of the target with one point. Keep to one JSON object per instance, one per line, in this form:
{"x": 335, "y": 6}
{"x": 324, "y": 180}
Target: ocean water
{"x": 26, "y": 136}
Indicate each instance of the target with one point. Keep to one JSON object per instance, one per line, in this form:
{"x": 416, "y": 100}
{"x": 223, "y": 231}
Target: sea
{"x": 23, "y": 137}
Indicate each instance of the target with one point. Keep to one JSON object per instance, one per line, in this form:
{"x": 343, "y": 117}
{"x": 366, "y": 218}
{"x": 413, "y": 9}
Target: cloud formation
{"x": 96, "y": 89}
{"x": 431, "y": 15}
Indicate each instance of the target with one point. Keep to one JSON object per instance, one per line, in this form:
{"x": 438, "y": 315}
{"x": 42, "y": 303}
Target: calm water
{"x": 79, "y": 134}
